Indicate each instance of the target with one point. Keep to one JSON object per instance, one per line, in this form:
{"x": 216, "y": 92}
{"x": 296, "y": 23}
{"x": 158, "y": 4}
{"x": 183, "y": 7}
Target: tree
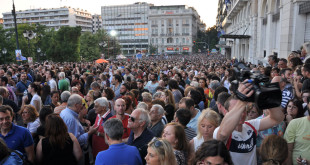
{"x": 67, "y": 44}
{"x": 153, "y": 49}
{"x": 209, "y": 37}
{"x": 90, "y": 49}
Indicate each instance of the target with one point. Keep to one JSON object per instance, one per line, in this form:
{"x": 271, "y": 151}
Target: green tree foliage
{"x": 209, "y": 37}
{"x": 67, "y": 44}
{"x": 89, "y": 47}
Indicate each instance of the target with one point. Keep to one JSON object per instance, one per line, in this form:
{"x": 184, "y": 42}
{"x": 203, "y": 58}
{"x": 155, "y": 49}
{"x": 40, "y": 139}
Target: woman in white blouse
{"x": 30, "y": 117}
{"x": 36, "y": 101}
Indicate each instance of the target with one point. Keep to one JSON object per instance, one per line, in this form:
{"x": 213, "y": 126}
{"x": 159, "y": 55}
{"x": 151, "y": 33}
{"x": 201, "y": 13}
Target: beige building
{"x": 254, "y": 29}
{"x": 52, "y": 18}
{"x": 173, "y": 28}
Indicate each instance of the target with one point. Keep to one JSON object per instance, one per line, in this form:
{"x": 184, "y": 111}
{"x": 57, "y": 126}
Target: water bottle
{"x": 25, "y": 93}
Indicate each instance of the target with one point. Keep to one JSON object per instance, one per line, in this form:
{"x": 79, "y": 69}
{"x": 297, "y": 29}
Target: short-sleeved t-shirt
{"x": 243, "y": 144}
{"x": 18, "y": 138}
{"x": 63, "y": 85}
{"x": 298, "y": 132}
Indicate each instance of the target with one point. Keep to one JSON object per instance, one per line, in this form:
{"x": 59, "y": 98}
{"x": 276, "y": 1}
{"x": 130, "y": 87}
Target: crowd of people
{"x": 174, "y": 110}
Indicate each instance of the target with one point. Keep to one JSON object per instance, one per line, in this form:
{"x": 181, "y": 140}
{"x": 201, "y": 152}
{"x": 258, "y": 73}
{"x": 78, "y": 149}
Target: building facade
{"x": 131, "y": 25}
{"x": 173, "y": 28}
{"x": 254, "y": 29}
{"x": 97, "y": 23}
{"x": 52, "y": 18}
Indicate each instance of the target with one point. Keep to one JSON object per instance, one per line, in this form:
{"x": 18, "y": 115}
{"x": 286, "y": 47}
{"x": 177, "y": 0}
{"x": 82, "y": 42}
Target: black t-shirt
{"x": 306, "y": 85}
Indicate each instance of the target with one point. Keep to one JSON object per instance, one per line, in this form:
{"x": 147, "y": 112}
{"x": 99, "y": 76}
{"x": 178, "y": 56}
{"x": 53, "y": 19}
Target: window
{"x": 177, "y": 40}
{"x": 162, "y": 41}
{"x": 183, "y": 40}
{"x": 169, "y": 40}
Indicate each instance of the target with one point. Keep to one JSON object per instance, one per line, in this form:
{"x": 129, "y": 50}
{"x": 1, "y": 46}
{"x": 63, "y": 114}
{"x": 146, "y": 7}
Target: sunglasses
{"x": 156, "y": 142}
{"x": 132, "y": 118}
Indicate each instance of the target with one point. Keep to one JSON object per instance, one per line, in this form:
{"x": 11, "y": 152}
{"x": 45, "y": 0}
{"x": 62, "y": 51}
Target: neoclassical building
{"x": 253, "y": 29}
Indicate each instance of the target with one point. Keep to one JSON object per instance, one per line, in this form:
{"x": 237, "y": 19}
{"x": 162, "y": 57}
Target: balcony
{"x": 236, "y": 7}
{"x": 185, "y": 34}
{"x": 186, "y": 24}
{"x": 162, "y": 34}
{"x": 226, "y": 22}
{"x": 154, "y": 25}
{"x": 154, "y": 35}
{"x": 177, "y": 34}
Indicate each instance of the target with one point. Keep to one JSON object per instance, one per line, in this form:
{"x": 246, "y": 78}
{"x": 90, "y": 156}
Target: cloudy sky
{"x": 207, "y": 9}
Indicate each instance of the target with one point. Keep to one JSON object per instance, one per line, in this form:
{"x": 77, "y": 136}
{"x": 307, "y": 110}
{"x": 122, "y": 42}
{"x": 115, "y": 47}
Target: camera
{"x": 266, "y": 95}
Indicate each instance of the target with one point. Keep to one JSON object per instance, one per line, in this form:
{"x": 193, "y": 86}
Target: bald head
{"x": 120, "y": 107}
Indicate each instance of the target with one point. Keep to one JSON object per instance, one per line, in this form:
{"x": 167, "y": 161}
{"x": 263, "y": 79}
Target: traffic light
{"x": 194, "y": 42}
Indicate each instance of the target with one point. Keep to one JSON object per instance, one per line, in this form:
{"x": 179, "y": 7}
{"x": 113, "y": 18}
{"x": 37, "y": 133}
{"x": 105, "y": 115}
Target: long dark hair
{"x": 56, "y": 130}
{"x": 212, "y": 148}
{"x": 298, "y": 104}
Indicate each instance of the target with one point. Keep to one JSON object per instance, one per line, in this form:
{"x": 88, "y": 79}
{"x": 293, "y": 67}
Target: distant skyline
{"x": 207, "y": 9}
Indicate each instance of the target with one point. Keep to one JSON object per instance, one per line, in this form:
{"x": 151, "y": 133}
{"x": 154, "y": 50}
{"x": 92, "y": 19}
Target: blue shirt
{"x": 194, "y": 122}
{"x": 18, "y": 138}
{"x": 21, "y": 87}
{"x": 74, "y": 126}
{"x": 119, "y": 154}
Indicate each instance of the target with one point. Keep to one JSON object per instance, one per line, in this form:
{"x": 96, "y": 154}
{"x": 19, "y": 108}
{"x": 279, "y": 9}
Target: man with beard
{"x": 152, "y": 84}
{"x": 124, "y": 89}
{"x": 141, "y": 89}
{"x": 22, "y": 86}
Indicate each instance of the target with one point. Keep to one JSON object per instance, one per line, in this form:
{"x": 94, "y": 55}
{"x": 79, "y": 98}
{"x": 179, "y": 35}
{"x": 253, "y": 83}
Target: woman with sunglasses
{"x": 160, "y": 152}
{"x": 175, "y": 135}
{"x": 212, "y": 152}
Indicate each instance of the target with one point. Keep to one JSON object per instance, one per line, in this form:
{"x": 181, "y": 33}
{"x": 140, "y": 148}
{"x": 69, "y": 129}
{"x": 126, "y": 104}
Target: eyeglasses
{"x": 25, "y": 112}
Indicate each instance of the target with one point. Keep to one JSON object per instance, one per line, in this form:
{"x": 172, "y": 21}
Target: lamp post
{"x": 4, "y": 51}
{"x": 38, "y": 50}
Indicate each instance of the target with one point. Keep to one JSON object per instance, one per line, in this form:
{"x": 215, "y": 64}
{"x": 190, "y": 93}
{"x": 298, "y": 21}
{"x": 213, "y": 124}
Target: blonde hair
{"x": 209, "y": 115}
{"x": 164, "y": 151}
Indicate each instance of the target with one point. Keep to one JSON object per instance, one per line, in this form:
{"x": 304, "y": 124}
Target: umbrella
{"x": 101, "y": 61}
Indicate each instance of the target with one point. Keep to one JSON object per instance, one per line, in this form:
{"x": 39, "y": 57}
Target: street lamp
{"x": 113, "y": 33}
{"x": 38, "y": 50}
{"x": 4, "y": 51}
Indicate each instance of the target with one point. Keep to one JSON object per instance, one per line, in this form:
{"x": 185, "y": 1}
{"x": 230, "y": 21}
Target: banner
{"x": 18, "y": 54}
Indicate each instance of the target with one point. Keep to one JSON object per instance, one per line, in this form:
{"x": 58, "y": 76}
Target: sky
{"x": 207, "y": 9}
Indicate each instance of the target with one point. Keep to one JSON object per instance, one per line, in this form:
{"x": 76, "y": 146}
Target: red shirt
{"x": 125, "y": 125}
{"x": 98, "y": 142}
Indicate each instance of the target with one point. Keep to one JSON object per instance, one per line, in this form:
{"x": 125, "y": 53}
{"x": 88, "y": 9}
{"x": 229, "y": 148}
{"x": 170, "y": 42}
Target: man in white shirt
{"x": 240, "y": 136}
{"x": 50, "y": 81}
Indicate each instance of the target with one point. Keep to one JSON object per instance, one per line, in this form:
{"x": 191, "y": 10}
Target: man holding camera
{"x": 240, "y": 136}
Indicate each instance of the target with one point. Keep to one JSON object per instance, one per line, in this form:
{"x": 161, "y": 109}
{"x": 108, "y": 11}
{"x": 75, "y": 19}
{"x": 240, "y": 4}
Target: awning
{"x": 235, "y": 36}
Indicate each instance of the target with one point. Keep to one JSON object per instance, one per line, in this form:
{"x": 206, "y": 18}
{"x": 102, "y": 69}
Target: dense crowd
{"x": 171, "y": 110}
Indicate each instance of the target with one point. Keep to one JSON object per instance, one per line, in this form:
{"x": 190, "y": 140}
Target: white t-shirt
{"x": 33, "y": 126}
{"x": 37, "y": 98}
{"x": 198, "y": 142}
{"x": 243, "y": 144}
{"x": 52, "y": 83}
